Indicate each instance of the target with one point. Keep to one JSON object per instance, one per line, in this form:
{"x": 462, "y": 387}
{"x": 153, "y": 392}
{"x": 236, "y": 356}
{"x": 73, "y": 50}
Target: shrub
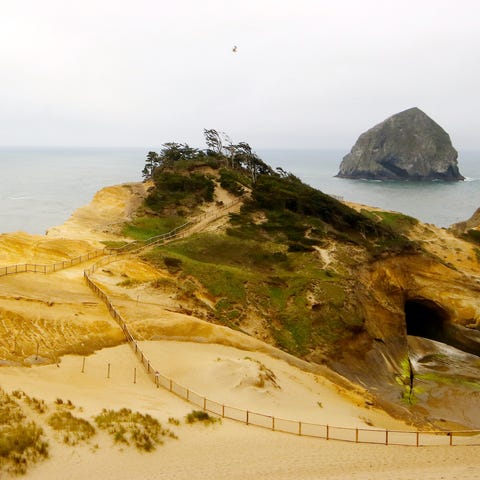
{"x": 200, "y": 416}
{"x": 231, "y": 181}
{"x": 173, "y": 190}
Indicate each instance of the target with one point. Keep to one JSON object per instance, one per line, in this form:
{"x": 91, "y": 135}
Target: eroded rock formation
{"x": 405, "y": 146}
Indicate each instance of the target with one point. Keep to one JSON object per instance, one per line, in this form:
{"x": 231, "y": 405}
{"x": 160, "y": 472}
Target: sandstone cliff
{"x": 405, "y": 146}
{"x": 350, "y": 309}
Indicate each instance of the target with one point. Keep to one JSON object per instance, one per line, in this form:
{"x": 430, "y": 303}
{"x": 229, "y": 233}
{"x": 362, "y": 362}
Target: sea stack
{"x": 406, "y": 146}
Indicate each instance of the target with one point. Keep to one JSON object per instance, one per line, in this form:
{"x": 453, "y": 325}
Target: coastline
{"x": 226, "y": 450}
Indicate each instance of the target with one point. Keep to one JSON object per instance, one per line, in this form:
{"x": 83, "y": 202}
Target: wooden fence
{"x": 52, "y": 267}
{"x": 130, "y": 247}
{"x": 248, "y": 417}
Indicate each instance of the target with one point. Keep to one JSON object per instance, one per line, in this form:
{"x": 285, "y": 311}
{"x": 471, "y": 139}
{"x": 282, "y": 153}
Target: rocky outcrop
{"x": 473, "y": 223}
{"x": 406, "y": 146}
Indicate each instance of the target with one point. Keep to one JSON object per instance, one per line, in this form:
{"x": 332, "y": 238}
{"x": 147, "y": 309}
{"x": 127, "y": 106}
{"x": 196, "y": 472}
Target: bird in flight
{"x": 234, "y": 49}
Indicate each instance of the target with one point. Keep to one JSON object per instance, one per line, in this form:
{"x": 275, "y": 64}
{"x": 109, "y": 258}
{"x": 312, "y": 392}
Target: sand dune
{"x": 242, "y": 372}
{"x": 221, "y": 451}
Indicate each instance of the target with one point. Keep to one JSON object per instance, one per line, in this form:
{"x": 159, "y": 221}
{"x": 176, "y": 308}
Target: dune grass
{"x": 133, "y": 428}
{"x": 21, "y": 442}
{"x": 73, "y": 429}
{"x": 201, "y": 416}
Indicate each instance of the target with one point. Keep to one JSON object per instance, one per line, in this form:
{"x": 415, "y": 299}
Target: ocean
{"x": 41, "y": 187}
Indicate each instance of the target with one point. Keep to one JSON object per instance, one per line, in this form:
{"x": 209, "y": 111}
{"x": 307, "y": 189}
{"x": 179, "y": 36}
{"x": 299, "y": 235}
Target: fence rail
{"x": 51, "y": 267}
{"x": 130, "y": 247}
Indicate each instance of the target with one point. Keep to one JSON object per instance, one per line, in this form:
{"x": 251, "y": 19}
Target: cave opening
{"x": 425, "y": 318}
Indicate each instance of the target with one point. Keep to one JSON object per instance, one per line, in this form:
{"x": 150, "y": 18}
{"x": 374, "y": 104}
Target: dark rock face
{"x": 406, "y": 146}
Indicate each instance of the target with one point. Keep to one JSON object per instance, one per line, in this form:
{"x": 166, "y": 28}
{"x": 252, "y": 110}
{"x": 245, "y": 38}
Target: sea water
{"x": 440, "y": 203}
{"x": 41, "y": 187}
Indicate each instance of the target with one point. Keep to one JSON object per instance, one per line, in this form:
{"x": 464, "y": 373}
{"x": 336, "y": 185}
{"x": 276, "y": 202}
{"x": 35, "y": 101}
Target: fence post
{"x": 451, "y": 437}
{"x": 328, "y": 433}
{"x": 83, "y": 365}
{"x": 204, "y": 403}
{"x": 418, "y": 439}
{"x": 170, "y": 384}
{"x": 386, "y": 437}
{"x": 300, "y": 428}
{"x": 273, "y": 423}
{"x": 247, "y": 417}
{"x": 134, "y": 374}
{"x": 356, "y": 435}
{"x": 223, "y": 411}
{"x": 108, "y": 371}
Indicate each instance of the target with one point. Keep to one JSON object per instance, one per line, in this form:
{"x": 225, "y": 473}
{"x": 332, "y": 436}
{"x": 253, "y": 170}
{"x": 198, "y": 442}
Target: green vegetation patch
{"x": 226, "y": 250}
{"x": 398, "y": 222}
{"x": 247, "y": 274}
{"x": 450, "y": 380}
{"x": 233, "y": 181}
{"x": 143, "y": 228}
{"x": 179, "y": 191}
{"x": 133, "y": 428}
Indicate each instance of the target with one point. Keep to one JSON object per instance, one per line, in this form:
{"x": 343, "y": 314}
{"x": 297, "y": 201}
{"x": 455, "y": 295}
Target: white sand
{"x": 229, "y": 450}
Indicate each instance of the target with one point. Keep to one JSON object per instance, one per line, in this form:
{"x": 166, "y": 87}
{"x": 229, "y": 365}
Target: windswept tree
{"x": 218, "y": 144}
{"x": 153, "y": 160}
{"x": 244, "y": 157}
{"x": 238, "y": 156}
{"x": 170, "y": 153}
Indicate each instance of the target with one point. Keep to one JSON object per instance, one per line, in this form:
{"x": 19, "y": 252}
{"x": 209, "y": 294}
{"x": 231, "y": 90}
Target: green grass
{"x": 73, "y": 429}
{"x": 244, "y": 274}
{"x": 114, "y": 244}
{"x": 398, "y": 222}
{"x": 143, "y": 228}
{"x": 133, "y": 428}
{"x": 226, "y": 250}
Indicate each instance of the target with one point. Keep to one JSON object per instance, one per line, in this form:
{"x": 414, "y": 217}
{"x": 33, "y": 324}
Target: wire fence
{"x": 248, "y": 417}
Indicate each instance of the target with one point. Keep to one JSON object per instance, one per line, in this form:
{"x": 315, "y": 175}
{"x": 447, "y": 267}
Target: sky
{"x": 306, "y": 73}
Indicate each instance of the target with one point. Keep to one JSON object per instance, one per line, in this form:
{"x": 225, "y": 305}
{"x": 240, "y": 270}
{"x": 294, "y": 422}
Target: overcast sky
{"x": 307, "y": 73}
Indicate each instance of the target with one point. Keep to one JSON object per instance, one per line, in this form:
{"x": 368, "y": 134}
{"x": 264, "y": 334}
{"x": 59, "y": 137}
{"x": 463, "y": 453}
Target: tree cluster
{"x": 220, "y": 150}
